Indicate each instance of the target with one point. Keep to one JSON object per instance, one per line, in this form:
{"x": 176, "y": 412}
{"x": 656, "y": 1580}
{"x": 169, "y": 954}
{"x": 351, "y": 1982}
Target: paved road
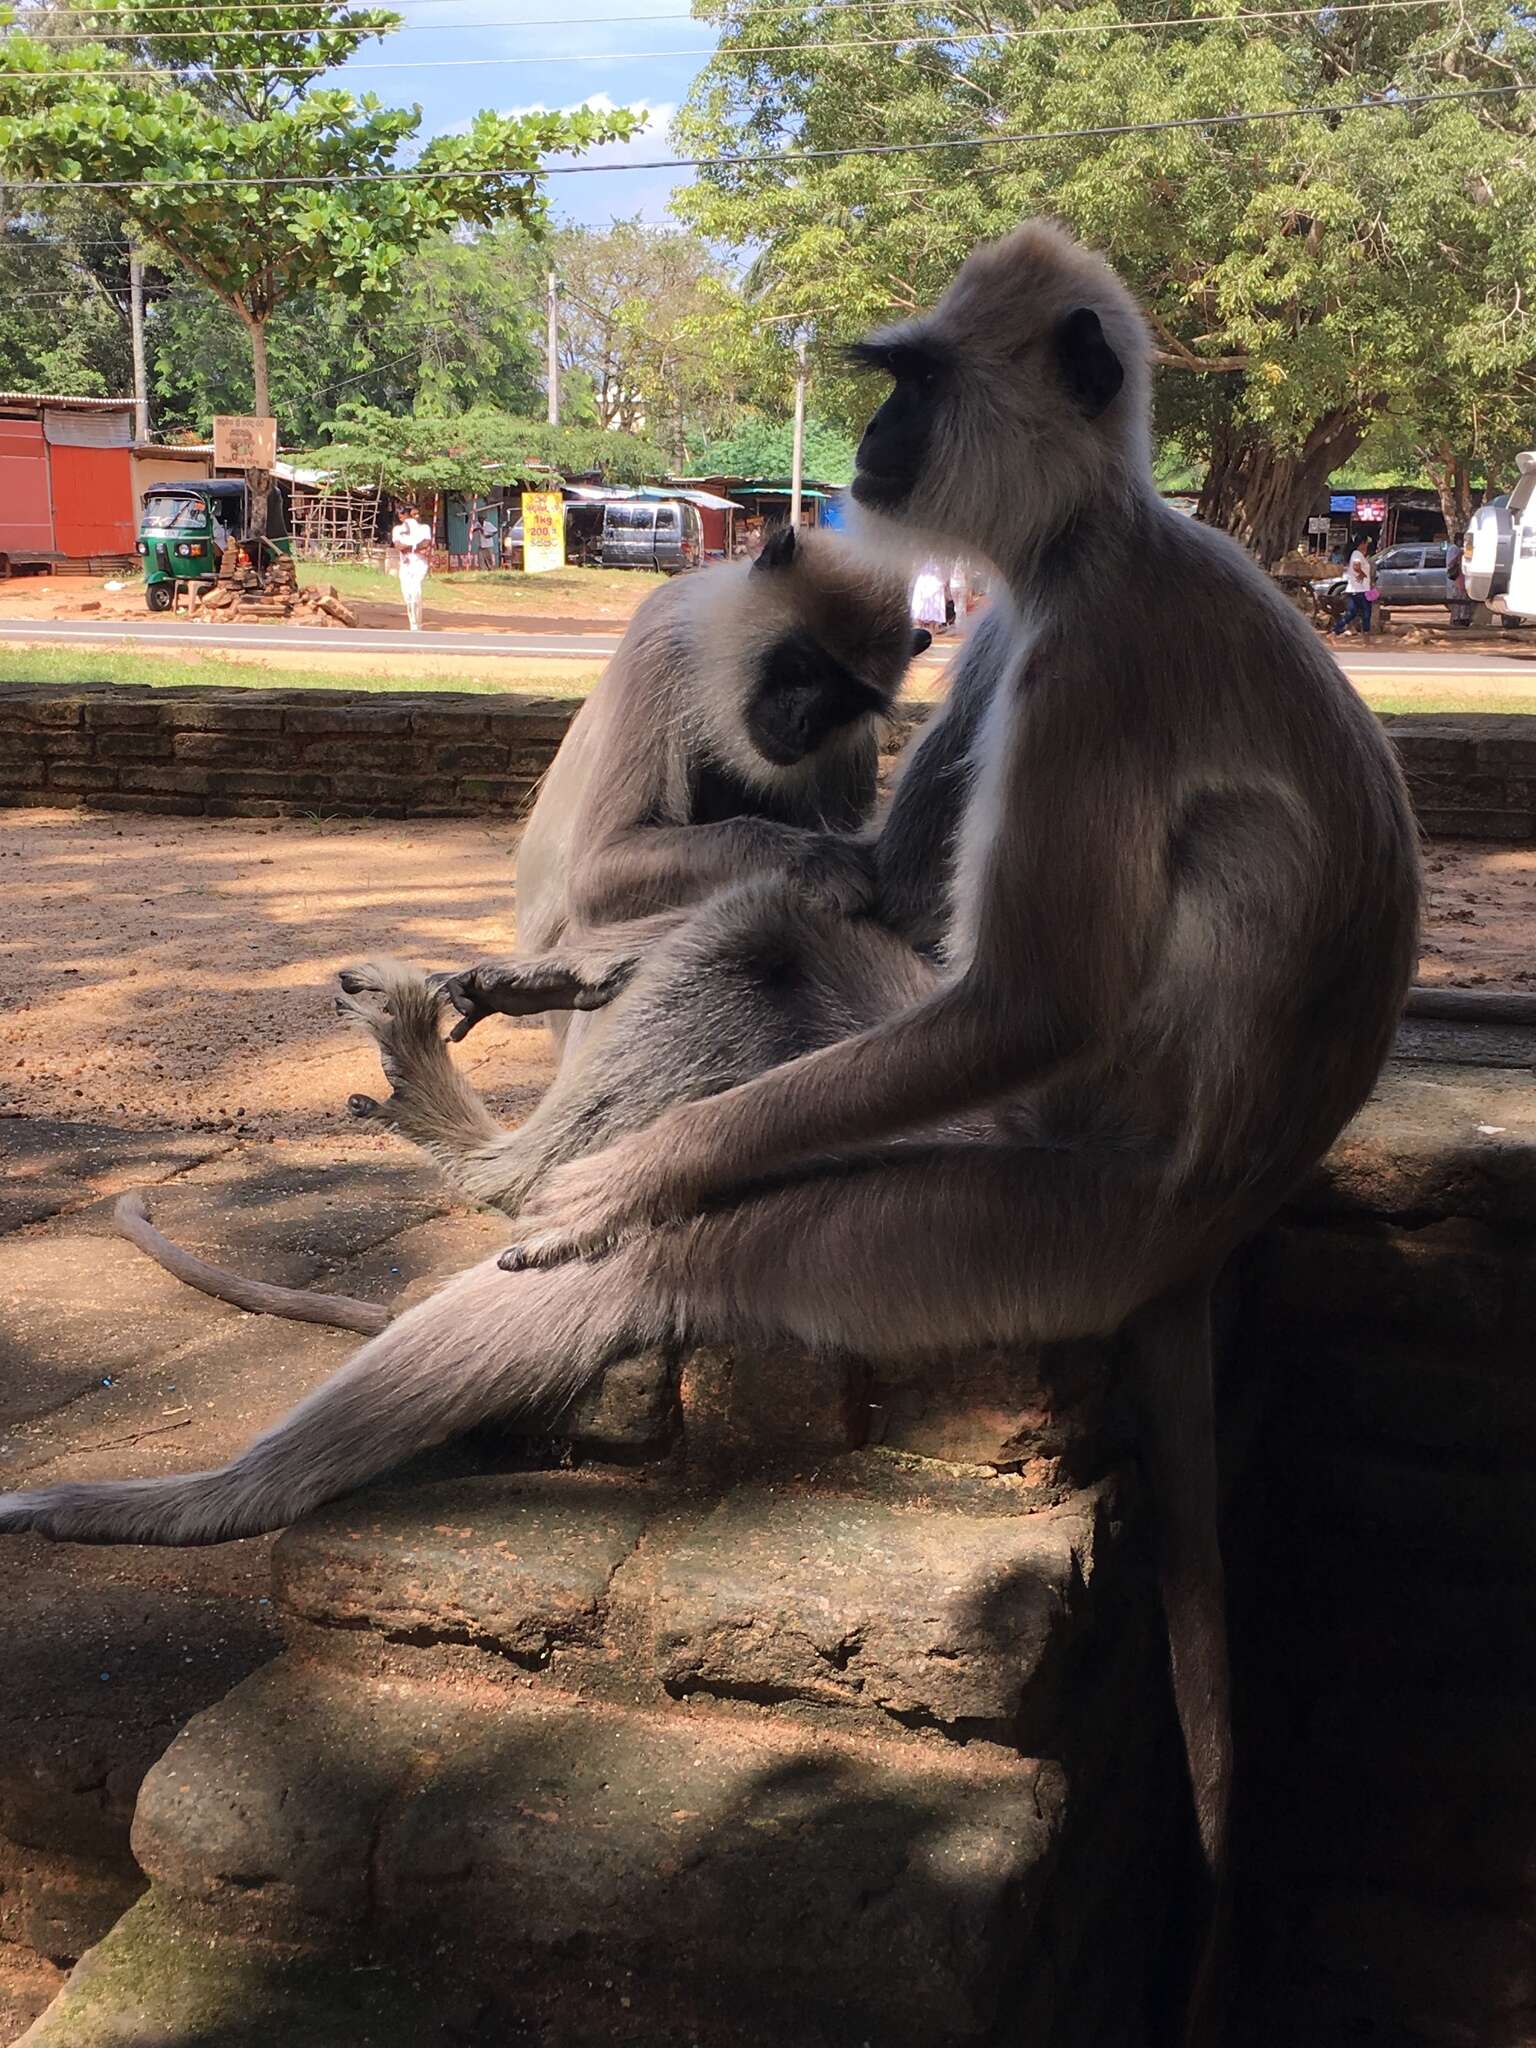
{"x": 148, "y": 632}
{"x": 585, "y": 646}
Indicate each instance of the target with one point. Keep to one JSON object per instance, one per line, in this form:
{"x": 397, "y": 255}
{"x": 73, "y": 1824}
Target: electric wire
{"x": 1386, "y": 102}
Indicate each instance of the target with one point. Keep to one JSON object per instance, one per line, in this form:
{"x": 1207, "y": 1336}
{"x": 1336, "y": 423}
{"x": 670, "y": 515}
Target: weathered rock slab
{"x": 830, "y": 1597}
{"x": 517, "y": 1564}
{"x": 886, "y": 1884}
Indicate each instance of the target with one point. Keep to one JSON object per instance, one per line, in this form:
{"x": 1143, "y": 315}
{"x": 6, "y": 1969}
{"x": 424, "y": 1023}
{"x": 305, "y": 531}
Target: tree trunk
{"x": 1261, "y": 494}
{"x": 1452, "y": 475}
{"x": 261, "y": 393}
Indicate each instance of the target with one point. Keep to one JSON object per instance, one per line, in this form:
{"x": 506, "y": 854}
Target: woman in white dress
{"x": 412, "y": 543}
{"x": 928, "y": 598}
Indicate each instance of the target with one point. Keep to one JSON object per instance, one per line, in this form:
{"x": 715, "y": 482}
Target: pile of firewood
{"x": 315, "y": 605}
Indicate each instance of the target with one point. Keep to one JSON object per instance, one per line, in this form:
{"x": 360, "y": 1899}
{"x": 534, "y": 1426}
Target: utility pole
{"x": 552, "y": 347}
{"x": 797, "y": 458}
{"x": 136, "y": 322}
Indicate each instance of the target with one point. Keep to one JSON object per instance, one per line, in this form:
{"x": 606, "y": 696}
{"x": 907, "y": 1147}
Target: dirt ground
{"x": 574, "y": 602}
{"x": 176, "y": 974}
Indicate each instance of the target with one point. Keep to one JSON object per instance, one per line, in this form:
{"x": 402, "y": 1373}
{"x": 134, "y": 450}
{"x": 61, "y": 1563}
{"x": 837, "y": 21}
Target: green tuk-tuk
{"x": 188, "y": 530}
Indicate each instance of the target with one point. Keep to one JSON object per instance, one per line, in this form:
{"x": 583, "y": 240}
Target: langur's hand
{"x": 838, "y": 873}
{"x": 511, "y": 988}
{"x": 589, "y": 1205}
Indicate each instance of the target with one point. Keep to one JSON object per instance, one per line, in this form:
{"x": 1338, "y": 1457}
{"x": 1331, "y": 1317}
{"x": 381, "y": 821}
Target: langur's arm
{"x": 652, "y": 868}
{"x": 1071, "y": 910}
{"x": 585, "y": 972}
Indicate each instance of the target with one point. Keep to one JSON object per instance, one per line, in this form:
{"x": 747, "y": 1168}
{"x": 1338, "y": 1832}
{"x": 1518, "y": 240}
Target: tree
{"x": 763, "y": 448}
{"x": 181, "y": 130}
{"x": 651, "y": 332}
{"x": 461, "y": 330}
{"x": 63, "y": 303}
{"x": 474, "y": 451}
{"x": 1303, "y": 277}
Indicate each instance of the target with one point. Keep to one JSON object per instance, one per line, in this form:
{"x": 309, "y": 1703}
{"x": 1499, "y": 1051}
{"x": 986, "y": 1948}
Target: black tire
{"x": 159, "y": 597}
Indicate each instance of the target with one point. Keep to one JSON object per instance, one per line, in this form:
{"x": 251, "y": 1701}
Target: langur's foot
{"x": 398, "y": 1008}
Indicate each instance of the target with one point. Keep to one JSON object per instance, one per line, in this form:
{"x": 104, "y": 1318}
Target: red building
{"x": 71, "y": 479}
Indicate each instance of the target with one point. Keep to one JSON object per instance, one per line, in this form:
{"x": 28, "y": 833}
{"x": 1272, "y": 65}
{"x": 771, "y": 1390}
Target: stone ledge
{"x": 518, "y": 1565}
{"x": 779, "y": 1868}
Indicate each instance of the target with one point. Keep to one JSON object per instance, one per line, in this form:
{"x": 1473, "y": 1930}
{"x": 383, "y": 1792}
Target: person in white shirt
{"x": 412, "y": 543}
{"x": 928, "y": 598}
{"x": 1359, "y": 584}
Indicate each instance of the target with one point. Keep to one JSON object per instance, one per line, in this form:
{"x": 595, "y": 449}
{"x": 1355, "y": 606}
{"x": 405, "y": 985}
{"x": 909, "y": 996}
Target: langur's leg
{"x": 897, "y": 1256}
{"x": 476, "y": 1348}
{"x": 751, "y": 980}
{"x": 430, "y": 1102}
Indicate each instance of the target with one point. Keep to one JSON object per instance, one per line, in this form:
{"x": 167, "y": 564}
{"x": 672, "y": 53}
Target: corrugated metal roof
{"x": 62, "y": 402}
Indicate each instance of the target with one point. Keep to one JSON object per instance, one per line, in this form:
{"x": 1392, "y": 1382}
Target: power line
{"x": 1319, "y": 13}
{"x": 523, "y": 58}
{"x": 1377, "y": 103}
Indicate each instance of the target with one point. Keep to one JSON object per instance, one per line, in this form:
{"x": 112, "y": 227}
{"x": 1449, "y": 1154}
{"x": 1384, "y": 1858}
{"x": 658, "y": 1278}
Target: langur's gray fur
{"x": 755, "y": 977}
{"x": 1184, "y": 920}
{"x": 734, "y": 733}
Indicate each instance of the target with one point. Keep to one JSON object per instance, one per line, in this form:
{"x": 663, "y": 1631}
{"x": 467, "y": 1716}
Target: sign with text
{"x": 243, "y": 443}
{"x": 543, "y": 531}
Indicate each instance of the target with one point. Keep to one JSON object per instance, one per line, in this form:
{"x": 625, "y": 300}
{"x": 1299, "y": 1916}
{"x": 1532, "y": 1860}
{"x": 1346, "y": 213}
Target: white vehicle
{"x": 1500, "y": 561}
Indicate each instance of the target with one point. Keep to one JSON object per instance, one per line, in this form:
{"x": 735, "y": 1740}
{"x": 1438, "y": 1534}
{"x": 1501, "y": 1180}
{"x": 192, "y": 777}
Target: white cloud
{"x": 595, "y": 198}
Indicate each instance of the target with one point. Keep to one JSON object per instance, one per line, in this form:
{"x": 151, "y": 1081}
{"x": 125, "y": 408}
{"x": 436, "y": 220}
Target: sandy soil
{"x": 178, "y": 973}
{"x": 462, "y": 609}
{"x": 1480, "y": 923}
{"x": 168, "y": 973}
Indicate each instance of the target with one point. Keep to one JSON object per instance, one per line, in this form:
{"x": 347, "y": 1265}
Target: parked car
{"x": 652, "y": 533}
{"x": 1404, "y": 575}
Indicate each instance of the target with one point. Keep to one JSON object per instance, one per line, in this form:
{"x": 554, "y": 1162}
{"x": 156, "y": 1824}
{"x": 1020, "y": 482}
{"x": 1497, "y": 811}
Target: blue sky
{"x": 563, "y": 66}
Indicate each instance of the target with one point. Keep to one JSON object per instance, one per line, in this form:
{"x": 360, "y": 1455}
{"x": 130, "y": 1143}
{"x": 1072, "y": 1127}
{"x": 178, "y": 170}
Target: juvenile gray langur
{"x": 744, "y": 983}
{"x": 1184, "y": 915}
{"x": 734, "y": 734}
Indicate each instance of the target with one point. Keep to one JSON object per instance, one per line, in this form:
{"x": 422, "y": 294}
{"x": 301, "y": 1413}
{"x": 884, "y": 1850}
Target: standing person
{"x": 928, "y": 599}
{"x": 1359, "y": 587}
{"x": 412, "y": 542}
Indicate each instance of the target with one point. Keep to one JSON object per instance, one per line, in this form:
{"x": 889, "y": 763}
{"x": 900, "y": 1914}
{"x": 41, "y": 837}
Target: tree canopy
{"x": 764, "y": 448}
{"x": 223, "y": 149}
{"x": 476, "y": 451}
{"x": 1305, "y": 278}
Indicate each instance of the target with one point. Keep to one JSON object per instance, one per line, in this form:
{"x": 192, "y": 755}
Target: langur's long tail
{"x": 1172, "y": 1347}
{"x": 297, "y": 1304}
{"x": 489, "y": 1343}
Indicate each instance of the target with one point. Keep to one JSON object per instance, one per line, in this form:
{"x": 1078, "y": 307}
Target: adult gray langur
{"x": 735, "y": 733}
{"x": 1184, "y": 917}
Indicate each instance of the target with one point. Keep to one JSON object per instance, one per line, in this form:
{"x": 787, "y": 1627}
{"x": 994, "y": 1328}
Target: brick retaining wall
{"x": 270, "y": 753}
{"x": 273, "y": 753}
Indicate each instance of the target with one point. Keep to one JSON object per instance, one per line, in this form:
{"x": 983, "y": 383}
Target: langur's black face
{"x": 803, "y": 696}
{"x": 896, "y": 441}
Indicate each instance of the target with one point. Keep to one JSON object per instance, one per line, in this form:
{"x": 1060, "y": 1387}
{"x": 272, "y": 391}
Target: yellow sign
{"x": 241, "y": 443}
{"x": 543, "y": 531}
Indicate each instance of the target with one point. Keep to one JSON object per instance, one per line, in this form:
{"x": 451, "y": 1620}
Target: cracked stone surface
{"x": 930, "y": 1613}
{"x": 770, "y": 1864}
{"x": 516, "y": 1564}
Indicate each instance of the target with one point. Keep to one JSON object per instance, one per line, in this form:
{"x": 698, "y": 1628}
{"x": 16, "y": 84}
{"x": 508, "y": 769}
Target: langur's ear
{"x": 922, "y": 640}
{"x": 1090, "y": 369}
{"x": 778, "y": 550}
